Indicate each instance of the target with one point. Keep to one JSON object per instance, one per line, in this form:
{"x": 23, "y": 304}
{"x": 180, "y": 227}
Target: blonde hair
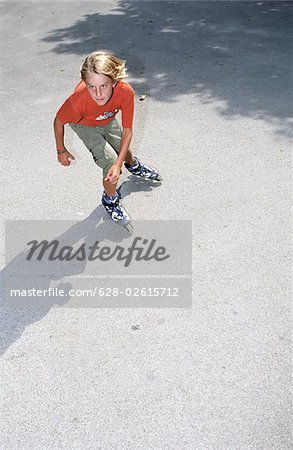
{"x": 104, "y": 63}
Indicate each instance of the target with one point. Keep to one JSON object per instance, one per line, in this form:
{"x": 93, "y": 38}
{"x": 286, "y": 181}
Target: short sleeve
{"x": 67, "y": 113}
{"x": 127, "y": 107}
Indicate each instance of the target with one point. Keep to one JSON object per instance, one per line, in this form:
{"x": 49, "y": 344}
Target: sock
{"x": 111, "y": 198}
{"x": 135, "y": 164}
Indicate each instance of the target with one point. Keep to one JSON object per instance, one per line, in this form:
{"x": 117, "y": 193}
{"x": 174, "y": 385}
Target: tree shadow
{"x": 237, "y": 53}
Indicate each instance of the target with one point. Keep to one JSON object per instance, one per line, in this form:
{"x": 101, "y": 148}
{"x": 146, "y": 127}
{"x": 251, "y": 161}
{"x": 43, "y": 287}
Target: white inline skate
{"x": 116, "y": 211}
{"x": 142, "y": 170}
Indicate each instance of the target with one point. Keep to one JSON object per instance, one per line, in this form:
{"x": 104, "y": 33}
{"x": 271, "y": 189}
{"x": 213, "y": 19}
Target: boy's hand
{"x": 113, "y": 174}
{"x": 65, "y": 158}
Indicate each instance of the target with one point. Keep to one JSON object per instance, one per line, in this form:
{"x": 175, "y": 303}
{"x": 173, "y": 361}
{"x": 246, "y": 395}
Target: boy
{"x": 90, "y": 112}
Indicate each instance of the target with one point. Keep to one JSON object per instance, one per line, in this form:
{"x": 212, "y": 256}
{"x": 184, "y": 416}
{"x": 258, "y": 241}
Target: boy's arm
{"x": 59, "y": 134}
{"x": 114, "y": 172}
{"x": 64, "y": 156}
{"x": 127, "y": 108}
{"x": 124, "y": 145}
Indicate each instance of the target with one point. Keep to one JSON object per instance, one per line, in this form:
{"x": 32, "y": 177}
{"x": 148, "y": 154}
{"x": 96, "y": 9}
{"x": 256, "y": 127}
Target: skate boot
{"x": 115, "y": 210}
{"x": 143, "y": 171}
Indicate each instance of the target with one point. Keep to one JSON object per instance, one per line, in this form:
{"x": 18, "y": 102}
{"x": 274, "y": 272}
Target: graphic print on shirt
{"x": 106, "y": 115}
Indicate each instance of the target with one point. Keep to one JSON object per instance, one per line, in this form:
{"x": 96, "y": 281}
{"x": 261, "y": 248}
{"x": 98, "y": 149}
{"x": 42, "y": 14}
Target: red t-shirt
{"x": 81, "y": 108}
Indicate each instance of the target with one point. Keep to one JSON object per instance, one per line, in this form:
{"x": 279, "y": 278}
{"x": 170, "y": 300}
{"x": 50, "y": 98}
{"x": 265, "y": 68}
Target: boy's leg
{"x": 104, "y": 156}
{"x": 133, "y": 164}
{"x": 110, "y": 188}
{"x": 102, "y": 152}
{"x": 113, "y": 133}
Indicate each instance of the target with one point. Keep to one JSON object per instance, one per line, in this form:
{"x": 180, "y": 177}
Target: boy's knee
{"x": 105, "y": 163}
{"x": 107, "y": 168}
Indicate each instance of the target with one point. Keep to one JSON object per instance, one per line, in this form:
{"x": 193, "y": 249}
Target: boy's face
{"x": 100, "y": 87}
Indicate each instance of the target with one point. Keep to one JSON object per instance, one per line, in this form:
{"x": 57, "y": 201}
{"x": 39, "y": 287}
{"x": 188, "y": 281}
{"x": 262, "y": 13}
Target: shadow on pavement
{"x": 238, "y": 53}
{"x": 41, "y": 274}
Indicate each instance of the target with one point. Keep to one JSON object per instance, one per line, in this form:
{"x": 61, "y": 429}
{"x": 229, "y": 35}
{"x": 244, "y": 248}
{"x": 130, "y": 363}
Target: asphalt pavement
{"x": 216, "y": 122}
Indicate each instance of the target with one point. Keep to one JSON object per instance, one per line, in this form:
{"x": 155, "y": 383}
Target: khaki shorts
{"x": 102, "y": 142}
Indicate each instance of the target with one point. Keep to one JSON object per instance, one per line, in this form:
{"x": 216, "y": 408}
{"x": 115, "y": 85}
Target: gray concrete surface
{"x": 216, "y": 121}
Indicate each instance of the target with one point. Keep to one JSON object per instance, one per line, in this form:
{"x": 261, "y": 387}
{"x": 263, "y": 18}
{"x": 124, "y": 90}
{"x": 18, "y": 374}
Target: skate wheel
{"x": 128, "y": 227}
